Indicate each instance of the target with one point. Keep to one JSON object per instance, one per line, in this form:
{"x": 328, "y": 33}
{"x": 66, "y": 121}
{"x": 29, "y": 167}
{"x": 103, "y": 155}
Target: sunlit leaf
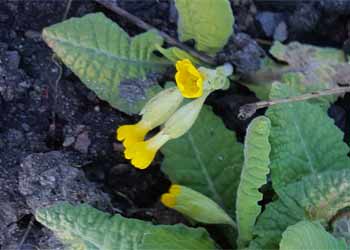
{"x": 255, "y": 169}
{"x": 116, "y": 67}
{"x": 208, "y": 22}
{"x": 85, "y": 228}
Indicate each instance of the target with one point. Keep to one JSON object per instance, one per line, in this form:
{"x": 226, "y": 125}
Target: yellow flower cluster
{"x": 164, "y": 109}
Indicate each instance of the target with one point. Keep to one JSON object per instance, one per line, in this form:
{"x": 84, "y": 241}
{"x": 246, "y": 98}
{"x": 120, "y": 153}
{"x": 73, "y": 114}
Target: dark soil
{"x": 57, "y": 139}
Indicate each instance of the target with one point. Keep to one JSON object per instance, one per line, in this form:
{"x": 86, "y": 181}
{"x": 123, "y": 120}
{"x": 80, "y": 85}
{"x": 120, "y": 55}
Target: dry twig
{"x": 143, "y": 25}
{"x": 248, "y": 110}
{"x": 26, "y": 233}
{"x": 65, "y": 14}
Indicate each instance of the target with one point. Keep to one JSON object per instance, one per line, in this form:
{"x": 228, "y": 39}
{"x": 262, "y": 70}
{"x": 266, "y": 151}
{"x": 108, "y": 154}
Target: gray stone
{"x": 48, "y": 178}
{"x": 281, "y": 32}
{"x": 269, "y": 21}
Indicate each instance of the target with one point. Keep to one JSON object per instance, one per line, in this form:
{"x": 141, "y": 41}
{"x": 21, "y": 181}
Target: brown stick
{"x": 248, "y": 110}
{"x": 69, "y": 4}
{"x": 143, "y": 25}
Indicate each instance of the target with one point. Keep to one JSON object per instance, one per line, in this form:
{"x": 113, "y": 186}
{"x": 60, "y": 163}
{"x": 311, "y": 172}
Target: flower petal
{"x": 188, "y": 79}
{"x": 131, "y": 134}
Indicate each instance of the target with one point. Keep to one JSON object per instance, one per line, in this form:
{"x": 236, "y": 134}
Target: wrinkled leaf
{"x": 256, "y": 167}
{"x": 306, "y": 235}
{"x": 107, "y": 60}
{"x": 83, "y": 227}
{"x": 325, "y": 67}
{"x": 304, "y": 140}
{"x": 207, "y": 159}
{"x": 294, "y": 80}
{"x": 315, "y": 197}
{"x": 208, "y": 22}
{"x": 316, "y": 67}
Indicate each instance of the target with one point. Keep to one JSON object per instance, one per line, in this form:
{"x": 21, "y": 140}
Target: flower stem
{"x": 248, "y": 110}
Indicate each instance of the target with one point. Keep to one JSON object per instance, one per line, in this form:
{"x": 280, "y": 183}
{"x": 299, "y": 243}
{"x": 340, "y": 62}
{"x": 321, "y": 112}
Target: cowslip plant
{"x": 295, "y": 149}
{"x": 191, "y": 83}
{"x": 297, "y": 218}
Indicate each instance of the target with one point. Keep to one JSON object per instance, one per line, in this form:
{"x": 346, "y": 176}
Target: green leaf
{"x": 208, "y": 22}
{"x": 174, "y": 54}
{"x": 83, "y": 227}
{"x": 256, "y": 167}
{"x": 304, "y": 140}
{"x": 177, "y": 237}
{"x": 207, "y": 159}
{"x": 306, "y": 235}
{"x": 315, "y": 198}
{"x": 295, "y": 81}
{"x": 107, "y": 60}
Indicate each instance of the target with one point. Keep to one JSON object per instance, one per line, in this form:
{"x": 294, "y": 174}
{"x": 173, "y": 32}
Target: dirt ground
{"x": 57, "y": 139}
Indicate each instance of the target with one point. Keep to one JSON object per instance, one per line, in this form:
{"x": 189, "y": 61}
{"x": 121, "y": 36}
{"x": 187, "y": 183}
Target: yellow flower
{"x": 188, "y": 79}
{"x": 131, "y": 134}
{"x": 142, "y": 153}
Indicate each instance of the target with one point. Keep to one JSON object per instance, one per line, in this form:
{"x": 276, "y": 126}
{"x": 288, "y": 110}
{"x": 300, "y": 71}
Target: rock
{"x": 269, "y": 21}
{"x": 68, "y": 141}
{"x": 304, "y": 19}
{"x": 243, "y": 52}
{"x": 281, "y": 32}
{"x": 48, "y": 178}
{"x": 13, "y": 59}
{"x": 332, "y": 7}
{"x": 83, "y": 142}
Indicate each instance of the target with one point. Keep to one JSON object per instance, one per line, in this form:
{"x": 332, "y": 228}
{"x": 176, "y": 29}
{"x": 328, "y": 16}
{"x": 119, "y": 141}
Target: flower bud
{"x": 195, "y": 205}
{"x": 161, "y": 107}
{"x": 155, "y": 112}
{"x": 183, "y": 119}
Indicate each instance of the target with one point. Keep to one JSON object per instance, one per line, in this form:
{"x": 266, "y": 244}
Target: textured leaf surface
{"x": 83, "y": 227}
{"x": 177, "y": 237}
{"x": 316, "y": 198}
{"x": 318, "y": 64}
{"x": 256, "y": 167}
{"x": 304, "y": 140}
{"x": 317, "y": 68}
{"x": 208, "y": 22}
{"x": 103, "y": 56}
{"x": 207, "y": 159}
{"x": 307, "y": 235}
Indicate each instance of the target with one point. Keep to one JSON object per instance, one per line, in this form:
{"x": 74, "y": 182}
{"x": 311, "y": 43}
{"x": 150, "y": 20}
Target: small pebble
{"x": 281, "y": 32}
{"x": 83, "y": 142}
{"x": 68, "y": 141}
